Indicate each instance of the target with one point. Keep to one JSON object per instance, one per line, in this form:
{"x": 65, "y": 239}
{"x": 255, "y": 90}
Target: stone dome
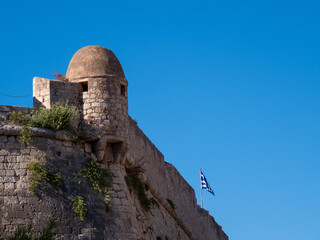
{"x": 94, "y": 61}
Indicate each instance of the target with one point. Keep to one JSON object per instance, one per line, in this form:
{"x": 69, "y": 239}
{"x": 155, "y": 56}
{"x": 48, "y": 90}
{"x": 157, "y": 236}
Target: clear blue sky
{"x": 230, "y": 87}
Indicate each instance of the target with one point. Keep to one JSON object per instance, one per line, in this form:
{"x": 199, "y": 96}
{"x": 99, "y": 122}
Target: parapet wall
{"x": 128, "y": 220}
{"x": 6, "y": 110}
{"x": 47, "y": 92}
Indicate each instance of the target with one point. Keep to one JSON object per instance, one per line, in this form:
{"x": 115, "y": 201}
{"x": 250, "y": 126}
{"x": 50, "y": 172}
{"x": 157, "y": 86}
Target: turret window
{"x": 84, "y": 87}
{"x": 123, "y": 90}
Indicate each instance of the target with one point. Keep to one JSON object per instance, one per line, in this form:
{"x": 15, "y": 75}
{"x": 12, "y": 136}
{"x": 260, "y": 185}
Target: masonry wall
{"x": 167, "y": 183}
{"x": 6, "y": 110}
{"x": 47, "y": 92}
{"x": 19, "y": 207}
{"x": 127, "y": 220}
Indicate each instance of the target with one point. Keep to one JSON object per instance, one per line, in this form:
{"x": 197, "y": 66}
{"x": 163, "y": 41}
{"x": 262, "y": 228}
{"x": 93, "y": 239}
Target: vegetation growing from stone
{"x": 27, "y": 233}
{"x": 55, "y": 179}
{"x": 99, "y": 179}
{"x": 134, "y": 183}
{"x": 59, "y": 76}
{"x": 136, "y": 169}
{"x": 22, "y": 119}
{"x": 139, "y": 189}
{"x": 173, "y": 206}
{"x": 25, "y": 135}
{"x": 39, "y": 174}
{"x": 18, "y": 118}
{"x": 154, "y": 202}
{"x": 59, "y": 117}
{"x": 79, "y": 207}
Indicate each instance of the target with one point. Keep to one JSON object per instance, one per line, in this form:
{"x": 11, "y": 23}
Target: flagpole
{"x": 201, "y": 190}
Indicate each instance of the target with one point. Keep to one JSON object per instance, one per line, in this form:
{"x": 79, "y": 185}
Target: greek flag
{"x": 204, "y": 183}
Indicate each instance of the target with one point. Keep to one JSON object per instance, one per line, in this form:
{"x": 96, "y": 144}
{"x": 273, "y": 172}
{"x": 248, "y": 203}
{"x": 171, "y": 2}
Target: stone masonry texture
{"x": 98, "y": 88}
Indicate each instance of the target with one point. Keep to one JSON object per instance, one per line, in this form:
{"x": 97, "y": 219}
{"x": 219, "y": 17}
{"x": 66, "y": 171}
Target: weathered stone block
{"x": 4, "y": 152}
{"x": 116, "y": 187}
{"x": 10, "y": 173}
{"x": 10, "y": 179}
{"x": 116, "y": 201}
{"x": 10, "y": 200}
{"x": 124, "y": 201}
{"x": 14, "y": 151}
{"x": 87, "y": 147}
{"x": 95, "y": 104}
{"x": 25, "y": 151}
{"x": 93, "y": 156}
{"x": 67, "y": 143}
{"x": 11, "y": 159}
{"x": 3, "y": 139}
{"x": 21, "y": 172}
{"x": 121, "y": 194}
{"x": 8, "y": 186}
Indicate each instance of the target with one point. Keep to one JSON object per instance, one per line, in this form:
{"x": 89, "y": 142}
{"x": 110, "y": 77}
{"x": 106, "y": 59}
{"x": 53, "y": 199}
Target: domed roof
{"x": 93, "y": 61}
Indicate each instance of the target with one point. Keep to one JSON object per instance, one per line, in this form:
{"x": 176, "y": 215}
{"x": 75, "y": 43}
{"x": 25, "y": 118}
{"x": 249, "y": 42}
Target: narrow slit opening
{"x": 123, "y": 90}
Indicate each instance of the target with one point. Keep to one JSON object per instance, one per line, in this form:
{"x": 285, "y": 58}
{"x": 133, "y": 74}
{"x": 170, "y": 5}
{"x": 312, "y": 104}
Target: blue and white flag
{"x": 205, "y": 184}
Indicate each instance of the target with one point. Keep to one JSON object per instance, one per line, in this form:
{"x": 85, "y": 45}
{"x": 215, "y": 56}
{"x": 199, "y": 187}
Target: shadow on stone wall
{"x": 21, "y": 207}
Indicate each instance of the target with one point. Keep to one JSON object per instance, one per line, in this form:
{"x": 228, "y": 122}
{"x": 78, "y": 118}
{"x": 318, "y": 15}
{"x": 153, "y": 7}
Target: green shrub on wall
{"x": 134, "y": 183}
{"x": 99, "y": 179}
{"x": 139, "y": 189}
{"x": 39, "y": 174}
{"x": 79, "y": 207}
{"x": 18, "y": 118}
{"x": 60, "y": 116}
{"x": 25, "y": 135}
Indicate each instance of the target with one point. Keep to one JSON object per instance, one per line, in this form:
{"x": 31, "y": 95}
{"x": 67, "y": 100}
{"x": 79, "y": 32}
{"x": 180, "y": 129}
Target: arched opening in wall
{"x": 111, "y": 151}
{"x": 108, "y": 153}
{"x": 116, "y": 149}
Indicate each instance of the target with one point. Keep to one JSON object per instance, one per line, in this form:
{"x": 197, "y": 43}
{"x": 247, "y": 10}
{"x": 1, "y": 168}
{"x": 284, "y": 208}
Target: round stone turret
{"x": 103, "y": 91}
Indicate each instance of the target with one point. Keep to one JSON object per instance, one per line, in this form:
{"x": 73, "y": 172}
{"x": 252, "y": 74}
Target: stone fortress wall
{"x": 167, "y": 183}
{"x": 115, "y": 144}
